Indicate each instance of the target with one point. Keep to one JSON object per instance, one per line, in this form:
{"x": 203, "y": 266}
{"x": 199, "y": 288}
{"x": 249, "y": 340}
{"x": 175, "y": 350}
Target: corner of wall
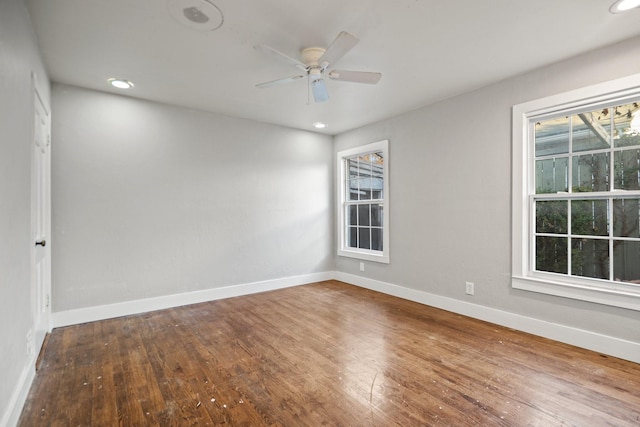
{"x": 19, "y": 395}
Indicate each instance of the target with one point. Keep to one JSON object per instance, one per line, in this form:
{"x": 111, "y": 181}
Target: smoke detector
{"x": 201, "y": 15}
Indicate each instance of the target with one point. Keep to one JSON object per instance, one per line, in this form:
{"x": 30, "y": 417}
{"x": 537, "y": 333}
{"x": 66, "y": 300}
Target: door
{"x": 41, "y": 221}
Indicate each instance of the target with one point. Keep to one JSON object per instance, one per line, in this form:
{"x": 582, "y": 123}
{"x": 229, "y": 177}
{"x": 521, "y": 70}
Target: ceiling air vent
{"x": 201, "y": 15}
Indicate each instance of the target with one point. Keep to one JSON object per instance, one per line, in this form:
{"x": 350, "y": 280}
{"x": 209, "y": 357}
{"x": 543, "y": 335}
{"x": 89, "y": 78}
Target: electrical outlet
{"x": 469, "y": 288}
{"x": 362, "y": 266}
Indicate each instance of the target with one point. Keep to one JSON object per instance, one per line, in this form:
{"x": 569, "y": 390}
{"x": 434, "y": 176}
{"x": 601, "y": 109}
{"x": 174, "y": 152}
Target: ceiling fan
{"x": 315, "y": 63}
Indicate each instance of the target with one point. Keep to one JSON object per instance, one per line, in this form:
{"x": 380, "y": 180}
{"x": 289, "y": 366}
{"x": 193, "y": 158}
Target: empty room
{"x": 339, "y": 213}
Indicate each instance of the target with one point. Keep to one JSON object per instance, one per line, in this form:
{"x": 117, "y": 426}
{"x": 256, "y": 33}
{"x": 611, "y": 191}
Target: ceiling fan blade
{"x": 355, "y": 76}
{"x": 283, "y": 56}
{"x": 279, "y": 81}
{"x": 338, "y": 48}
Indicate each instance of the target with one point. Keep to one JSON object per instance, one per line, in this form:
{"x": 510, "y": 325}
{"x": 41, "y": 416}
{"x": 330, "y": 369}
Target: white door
{"x": 41, "y": 222}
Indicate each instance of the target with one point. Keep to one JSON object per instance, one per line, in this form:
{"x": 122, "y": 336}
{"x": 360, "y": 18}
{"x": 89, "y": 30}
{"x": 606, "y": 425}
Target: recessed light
{"x": 120, "y": 84}
{"x": 319, "y": 125}
{"x": 623, "y": 5}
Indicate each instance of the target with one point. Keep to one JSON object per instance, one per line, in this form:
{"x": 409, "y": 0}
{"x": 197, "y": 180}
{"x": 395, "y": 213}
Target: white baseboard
{"x": 604, "y": 344}
{"x": 624, "y": 349}
{"x": 109, "y": 311}
{"x": 19, "y": 396}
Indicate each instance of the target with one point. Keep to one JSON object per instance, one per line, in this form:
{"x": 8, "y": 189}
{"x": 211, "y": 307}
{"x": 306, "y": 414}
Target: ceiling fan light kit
{"x": 319, "y": 89}
{"x": 315, "y": 61}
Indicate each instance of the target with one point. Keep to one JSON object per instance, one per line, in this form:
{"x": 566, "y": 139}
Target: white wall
{"x": 18, "y": 58}
{"x": 450, "y": 178}
{"x": 152, "y": 200}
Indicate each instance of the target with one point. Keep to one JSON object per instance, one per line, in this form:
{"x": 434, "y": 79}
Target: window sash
{"x": 373, "y": 225}
{"x": 585, "y": 140}
{"x": 572, "y": 235}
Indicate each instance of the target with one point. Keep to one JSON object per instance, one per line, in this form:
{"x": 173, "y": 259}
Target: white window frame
{"x": 341, "y": 179}
{"x": 524, "y": 277}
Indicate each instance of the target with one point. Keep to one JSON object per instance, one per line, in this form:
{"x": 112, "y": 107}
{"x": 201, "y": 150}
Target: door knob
{"x": 42, "y": 243}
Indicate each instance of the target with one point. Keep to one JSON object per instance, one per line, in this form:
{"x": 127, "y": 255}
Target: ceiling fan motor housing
{"x": 311, "y": 55}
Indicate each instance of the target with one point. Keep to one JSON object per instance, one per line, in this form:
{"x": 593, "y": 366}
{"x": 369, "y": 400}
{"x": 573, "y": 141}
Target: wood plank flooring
{"x": 326, "y": 354}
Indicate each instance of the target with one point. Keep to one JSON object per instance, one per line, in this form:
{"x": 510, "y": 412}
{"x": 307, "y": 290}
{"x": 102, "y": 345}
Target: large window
{"x": 363, "y": 207}
{"x": 577, "y": 195}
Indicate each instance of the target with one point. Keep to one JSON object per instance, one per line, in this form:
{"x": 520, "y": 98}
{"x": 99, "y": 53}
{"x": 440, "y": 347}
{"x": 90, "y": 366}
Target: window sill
{"x": 613, "y": 297}
{"x": 366, "y": 256}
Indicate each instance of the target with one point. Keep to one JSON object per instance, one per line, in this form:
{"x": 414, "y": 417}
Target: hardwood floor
{"x": 323, "y": 354}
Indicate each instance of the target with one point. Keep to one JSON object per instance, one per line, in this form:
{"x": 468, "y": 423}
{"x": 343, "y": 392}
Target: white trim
{"x": 621, "y": 89}
{"x": 594, "y": 94}
{"x": 613, "y": 297}
{"x": 364, "y": 255}
{"x": 368, "y": 255}
{"x": 20, "y": 393}
{"x": 624, "y": 349}
{"x": 41, "y": 319}
{"x": 616, "y": 347}
{"x": 108, "y": 311}
{"x": 91, "y": 314}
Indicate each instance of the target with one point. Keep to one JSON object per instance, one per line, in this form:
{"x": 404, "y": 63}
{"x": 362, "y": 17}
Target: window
{"x": 363, "y": 202}
{"x": 576, "y": 194}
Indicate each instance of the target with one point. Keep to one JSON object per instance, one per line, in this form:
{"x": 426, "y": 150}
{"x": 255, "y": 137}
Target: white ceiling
{"x": 427, "y": 50}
